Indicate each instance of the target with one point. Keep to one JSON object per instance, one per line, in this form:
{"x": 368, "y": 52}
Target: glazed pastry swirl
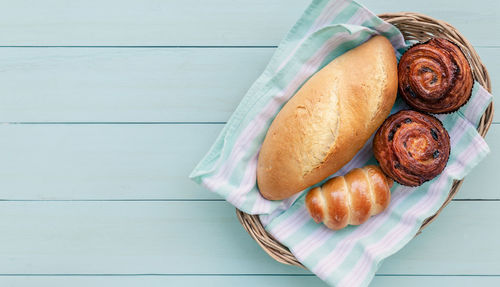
{"x": 435, "y": 77}
{"x": 412, "y": 147}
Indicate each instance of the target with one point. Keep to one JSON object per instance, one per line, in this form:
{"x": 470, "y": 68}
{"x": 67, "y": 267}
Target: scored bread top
{"x": 328, "y": 120}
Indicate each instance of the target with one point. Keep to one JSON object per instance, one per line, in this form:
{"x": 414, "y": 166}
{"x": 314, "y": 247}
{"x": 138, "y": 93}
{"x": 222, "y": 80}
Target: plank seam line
{"x": 115, "y": 200}
{"x": 185, "y": 200}
{"x": 228, "y": 275}
{"x": 156, "y": 47}
{"x": 172, "y": 46}
{"x": 127, "y": 123}
{"x": 115, "y": 123}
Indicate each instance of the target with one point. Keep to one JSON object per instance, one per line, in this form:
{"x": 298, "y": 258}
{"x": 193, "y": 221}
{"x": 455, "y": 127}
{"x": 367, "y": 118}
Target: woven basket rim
{"x": 410, "y": 24}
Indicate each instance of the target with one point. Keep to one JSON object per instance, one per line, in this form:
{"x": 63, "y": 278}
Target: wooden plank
{"x": 206, "y": 238}
{"x": 102, "y": 161}
{"x": 75, "y": 162}
{"x": 199, "y": 22}
{"x": 134, "y": 85}
{"x": 434, "y": 281}
{"x": 113, "y": 84}
{"x": 239, "y": 280}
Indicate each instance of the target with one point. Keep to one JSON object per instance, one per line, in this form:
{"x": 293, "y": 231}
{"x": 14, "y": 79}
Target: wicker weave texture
{"x": 414, "y": 26}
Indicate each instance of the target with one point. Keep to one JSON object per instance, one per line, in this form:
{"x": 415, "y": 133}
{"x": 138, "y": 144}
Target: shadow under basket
{"x": 414, "y": 26}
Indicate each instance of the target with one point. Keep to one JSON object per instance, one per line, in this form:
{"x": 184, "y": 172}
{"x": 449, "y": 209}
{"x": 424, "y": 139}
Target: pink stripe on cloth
{"x": 247, "y": 183}
{"x": 397, "y": 41}
{"x": 330, "y": 12}
{"x": 336, "y": 257}
{"x": 261, "y": 205}
{"x": 285, "y": 204}
{"x": 291, "y": 224}
{"x": 317, "y": 239}
{"x": 407, "y": 224}
{"x": 477, "y": 146}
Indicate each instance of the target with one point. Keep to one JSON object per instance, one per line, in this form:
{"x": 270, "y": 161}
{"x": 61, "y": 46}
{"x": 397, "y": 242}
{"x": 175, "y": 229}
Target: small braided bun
{"x": 350, "y": 199}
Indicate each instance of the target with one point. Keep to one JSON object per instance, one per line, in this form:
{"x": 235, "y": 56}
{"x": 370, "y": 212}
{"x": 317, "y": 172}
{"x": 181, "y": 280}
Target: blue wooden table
{"x": 106, "y": 106}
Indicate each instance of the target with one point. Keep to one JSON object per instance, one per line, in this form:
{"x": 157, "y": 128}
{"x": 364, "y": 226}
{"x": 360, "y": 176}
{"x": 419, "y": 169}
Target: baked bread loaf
{"x": 435, "y": 77}
{"x": 412, "y": 147}
{"x": 350, "y": 199}
{"x": 328, "y": 120}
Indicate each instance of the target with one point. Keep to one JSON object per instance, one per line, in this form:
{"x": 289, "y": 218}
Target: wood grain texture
{"x": 200, "y": 22}
{"x": 205, "y": 238}
{"x": 140, "y": 161}
{"x": 239, "y": 280}
{"x": 131, "y": 85}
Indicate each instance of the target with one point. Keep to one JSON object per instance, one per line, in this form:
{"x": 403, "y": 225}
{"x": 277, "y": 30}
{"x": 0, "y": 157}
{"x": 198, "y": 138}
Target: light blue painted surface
{"x": 108, "y": 202}
{"x": 243, "y": 281}
{"x": 204, "y": 22}
{"x": 150, "y": 237}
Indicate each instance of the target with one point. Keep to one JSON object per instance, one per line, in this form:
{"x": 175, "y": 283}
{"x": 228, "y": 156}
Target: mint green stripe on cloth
{"x": 477, "y": 104}
{"x": 349, "y": 257}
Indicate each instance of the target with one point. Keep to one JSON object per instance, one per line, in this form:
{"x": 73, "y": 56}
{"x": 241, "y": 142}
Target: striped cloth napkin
{"x": 351, "y": 256}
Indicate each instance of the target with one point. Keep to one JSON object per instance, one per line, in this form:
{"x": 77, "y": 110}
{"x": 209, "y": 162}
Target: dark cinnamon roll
{"x": 412, "y": 147}
{"x": 435, "y": 77}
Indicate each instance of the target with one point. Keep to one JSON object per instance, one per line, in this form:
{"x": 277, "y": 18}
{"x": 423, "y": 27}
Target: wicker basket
{"x": 414, "y": 26}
